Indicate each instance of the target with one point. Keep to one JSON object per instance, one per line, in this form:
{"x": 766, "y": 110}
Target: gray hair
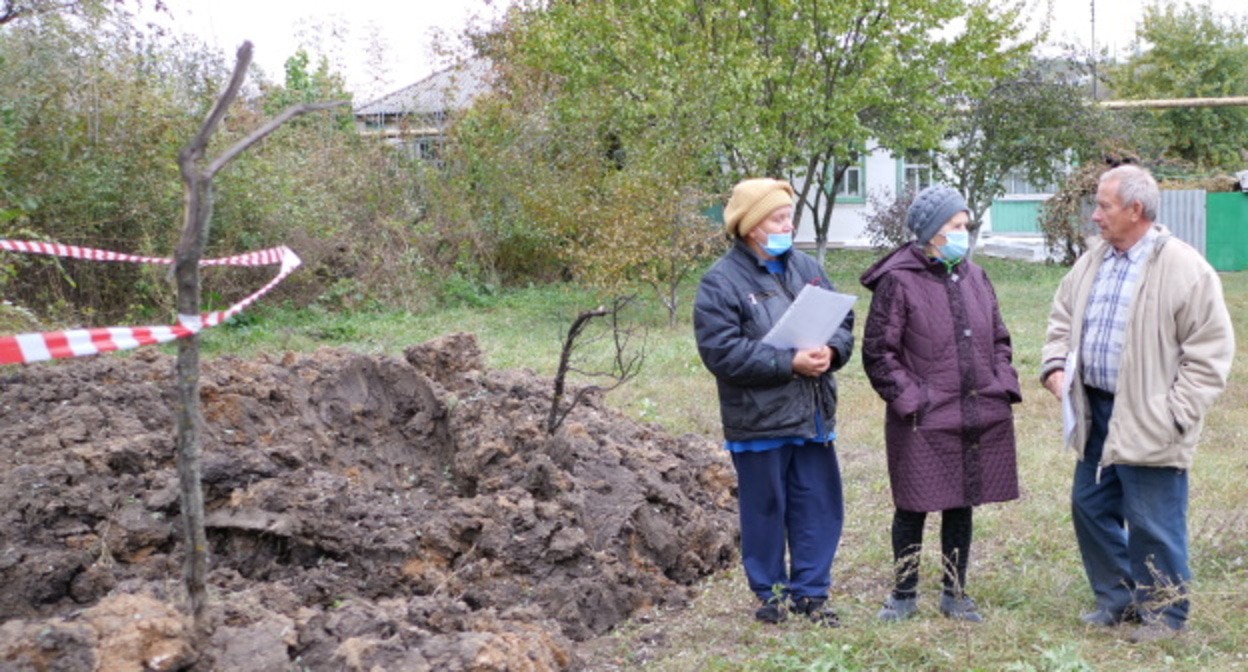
{"x": 1135, "y": 185}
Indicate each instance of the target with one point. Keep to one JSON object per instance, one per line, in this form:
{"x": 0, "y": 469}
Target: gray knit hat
{"x": 930, "y": 210}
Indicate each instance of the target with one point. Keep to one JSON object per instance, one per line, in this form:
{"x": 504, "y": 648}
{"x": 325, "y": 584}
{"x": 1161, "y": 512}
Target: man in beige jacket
{"x": 1139, "y": 346}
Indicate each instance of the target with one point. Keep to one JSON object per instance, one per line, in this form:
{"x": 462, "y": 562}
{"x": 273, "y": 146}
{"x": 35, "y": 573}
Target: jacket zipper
{"x": 814, "y": 382}
{"x": 783, "y": 287}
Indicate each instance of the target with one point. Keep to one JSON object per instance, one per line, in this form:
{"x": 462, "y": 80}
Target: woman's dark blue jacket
{"x": 759, "y": 395}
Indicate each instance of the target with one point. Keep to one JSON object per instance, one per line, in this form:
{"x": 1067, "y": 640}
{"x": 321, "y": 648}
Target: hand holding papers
{"x": 812, "y": 319}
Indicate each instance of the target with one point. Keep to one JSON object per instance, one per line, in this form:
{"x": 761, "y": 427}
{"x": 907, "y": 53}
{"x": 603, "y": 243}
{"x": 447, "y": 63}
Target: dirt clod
{"x": 363, "y": 513}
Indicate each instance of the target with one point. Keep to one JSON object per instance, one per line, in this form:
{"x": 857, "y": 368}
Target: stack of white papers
{"x": 1068, "y": 388}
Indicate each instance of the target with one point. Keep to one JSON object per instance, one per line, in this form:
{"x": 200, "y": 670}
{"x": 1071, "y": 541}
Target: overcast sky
{"x": 407, "y": 27}
{"x": 1116, "y": 20}
{"x": 277, "y": 28}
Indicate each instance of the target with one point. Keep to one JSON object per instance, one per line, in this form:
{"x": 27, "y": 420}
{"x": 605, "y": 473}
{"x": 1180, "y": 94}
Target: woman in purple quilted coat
{"x": 937, "y": 351}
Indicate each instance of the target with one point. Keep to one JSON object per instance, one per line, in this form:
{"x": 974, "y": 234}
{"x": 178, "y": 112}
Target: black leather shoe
{"x": 816, "y": 609}
{"x": 1104, "y": 618}
{"x": 771, "y": 612}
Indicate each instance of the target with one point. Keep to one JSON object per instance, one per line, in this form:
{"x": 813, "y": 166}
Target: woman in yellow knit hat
{"x": 778, "y": 406}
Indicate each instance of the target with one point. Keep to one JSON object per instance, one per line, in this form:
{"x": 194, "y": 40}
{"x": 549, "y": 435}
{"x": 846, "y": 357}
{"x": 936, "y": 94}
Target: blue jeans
{"x": 789, "y": 497}
{"x": 1132, "y": 529}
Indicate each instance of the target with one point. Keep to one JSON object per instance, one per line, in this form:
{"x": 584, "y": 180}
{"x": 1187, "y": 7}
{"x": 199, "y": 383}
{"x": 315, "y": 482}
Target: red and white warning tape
{"x": 25, "y": 348}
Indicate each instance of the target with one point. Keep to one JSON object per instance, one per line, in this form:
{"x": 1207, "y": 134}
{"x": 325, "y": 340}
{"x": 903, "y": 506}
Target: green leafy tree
{"x": 1191, "y": 51}
{"x": 306, "y": 85}
{"x": 496, "y": 212}
{"x": 615, "y": 99}
{"x": 582, "y": 164}
{"x": 12, "y": 204}
{"x": 779, "y": 87}
{"x": 648, "y": 226}
{"x": 1034, "y": 121}
{"x": 832, "y": 80}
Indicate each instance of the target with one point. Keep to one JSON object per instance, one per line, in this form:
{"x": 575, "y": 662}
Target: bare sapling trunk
{"x": 679, "y": 261}
{"x": 625, "y": 362}
{"x": 823, "y": 223}
{"x": 197, "y": 212}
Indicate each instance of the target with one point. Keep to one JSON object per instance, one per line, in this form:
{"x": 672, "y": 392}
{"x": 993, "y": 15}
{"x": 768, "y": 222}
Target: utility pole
{"x": 1093, "y": 3}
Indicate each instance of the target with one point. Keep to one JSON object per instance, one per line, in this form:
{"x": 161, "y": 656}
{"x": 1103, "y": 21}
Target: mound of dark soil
{"x": 364, "y": 513}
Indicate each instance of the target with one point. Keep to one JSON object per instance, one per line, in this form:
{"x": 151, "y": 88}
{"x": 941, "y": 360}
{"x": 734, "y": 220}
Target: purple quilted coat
{"x": 937, "y": 352}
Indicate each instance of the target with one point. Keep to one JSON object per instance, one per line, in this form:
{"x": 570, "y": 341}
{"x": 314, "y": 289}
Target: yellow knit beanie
{"x": 752, "y": 200}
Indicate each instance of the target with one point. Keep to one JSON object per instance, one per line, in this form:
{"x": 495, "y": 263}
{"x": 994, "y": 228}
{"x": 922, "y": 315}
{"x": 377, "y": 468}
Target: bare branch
{"x": 11, "y": 10}
{"x": 625, "y": 366}
{"x": 590, "y": 374}
{"x": 563, "y": 414}
{"x": 584, "y": 392}
{"x": 272, "y": 125}
{"x": 196, "y": 148}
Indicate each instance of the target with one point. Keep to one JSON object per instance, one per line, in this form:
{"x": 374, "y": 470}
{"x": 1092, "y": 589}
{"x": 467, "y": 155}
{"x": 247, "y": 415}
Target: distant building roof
{"x": 451, "y": 89}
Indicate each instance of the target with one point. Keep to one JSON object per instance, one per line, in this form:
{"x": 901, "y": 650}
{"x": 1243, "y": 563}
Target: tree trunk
{"x": 802, "y": 196}
{"x": 825, "y": 218}
{"x": 189, "y": 419}
{"x": 197, "y": 203}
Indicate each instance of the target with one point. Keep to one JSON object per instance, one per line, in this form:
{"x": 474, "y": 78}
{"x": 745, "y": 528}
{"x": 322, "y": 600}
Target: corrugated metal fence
{"x": 1183, "y": 212}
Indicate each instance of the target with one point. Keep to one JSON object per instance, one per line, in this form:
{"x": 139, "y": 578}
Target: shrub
{"x": 886, "y": 225}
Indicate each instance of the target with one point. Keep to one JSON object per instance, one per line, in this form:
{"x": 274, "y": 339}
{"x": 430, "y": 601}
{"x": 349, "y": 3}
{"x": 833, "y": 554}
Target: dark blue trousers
{"x": 1132, "y": 529}
{"x": 790, "y": 497}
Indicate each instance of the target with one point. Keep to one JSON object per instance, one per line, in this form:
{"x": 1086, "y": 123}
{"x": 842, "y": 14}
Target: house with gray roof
{"x": 415, "y": 117}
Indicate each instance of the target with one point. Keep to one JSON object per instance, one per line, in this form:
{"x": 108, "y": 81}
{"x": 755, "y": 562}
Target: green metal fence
{"x": 1011, "y": 216}
{"x": 1226, "y": 231}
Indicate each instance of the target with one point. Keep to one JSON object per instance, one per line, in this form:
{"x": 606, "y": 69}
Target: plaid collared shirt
{"x": 1105, "y": 320}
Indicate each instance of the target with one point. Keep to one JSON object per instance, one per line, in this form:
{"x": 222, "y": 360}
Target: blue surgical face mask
{"x": 956, "y": 245}
{"x": 778, "y": 243}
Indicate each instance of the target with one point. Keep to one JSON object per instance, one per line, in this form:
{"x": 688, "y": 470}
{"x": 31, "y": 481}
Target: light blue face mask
{"x": 778, "y": 243}
{"x": 956, "y": 245}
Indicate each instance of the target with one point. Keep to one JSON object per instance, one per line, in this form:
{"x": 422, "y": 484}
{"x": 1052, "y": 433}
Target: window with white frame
{"x": 427, "y": 148}
{"x": 853, "y": 182}
{"x": 1016, "y": 184}
{"x": 916, "y": 171}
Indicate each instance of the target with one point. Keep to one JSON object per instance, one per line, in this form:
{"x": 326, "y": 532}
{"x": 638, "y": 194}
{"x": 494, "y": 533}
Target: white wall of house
{"x": 878, "y": 175}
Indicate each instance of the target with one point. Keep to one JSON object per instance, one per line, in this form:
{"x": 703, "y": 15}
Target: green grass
{"x": 1025, "y": 569}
